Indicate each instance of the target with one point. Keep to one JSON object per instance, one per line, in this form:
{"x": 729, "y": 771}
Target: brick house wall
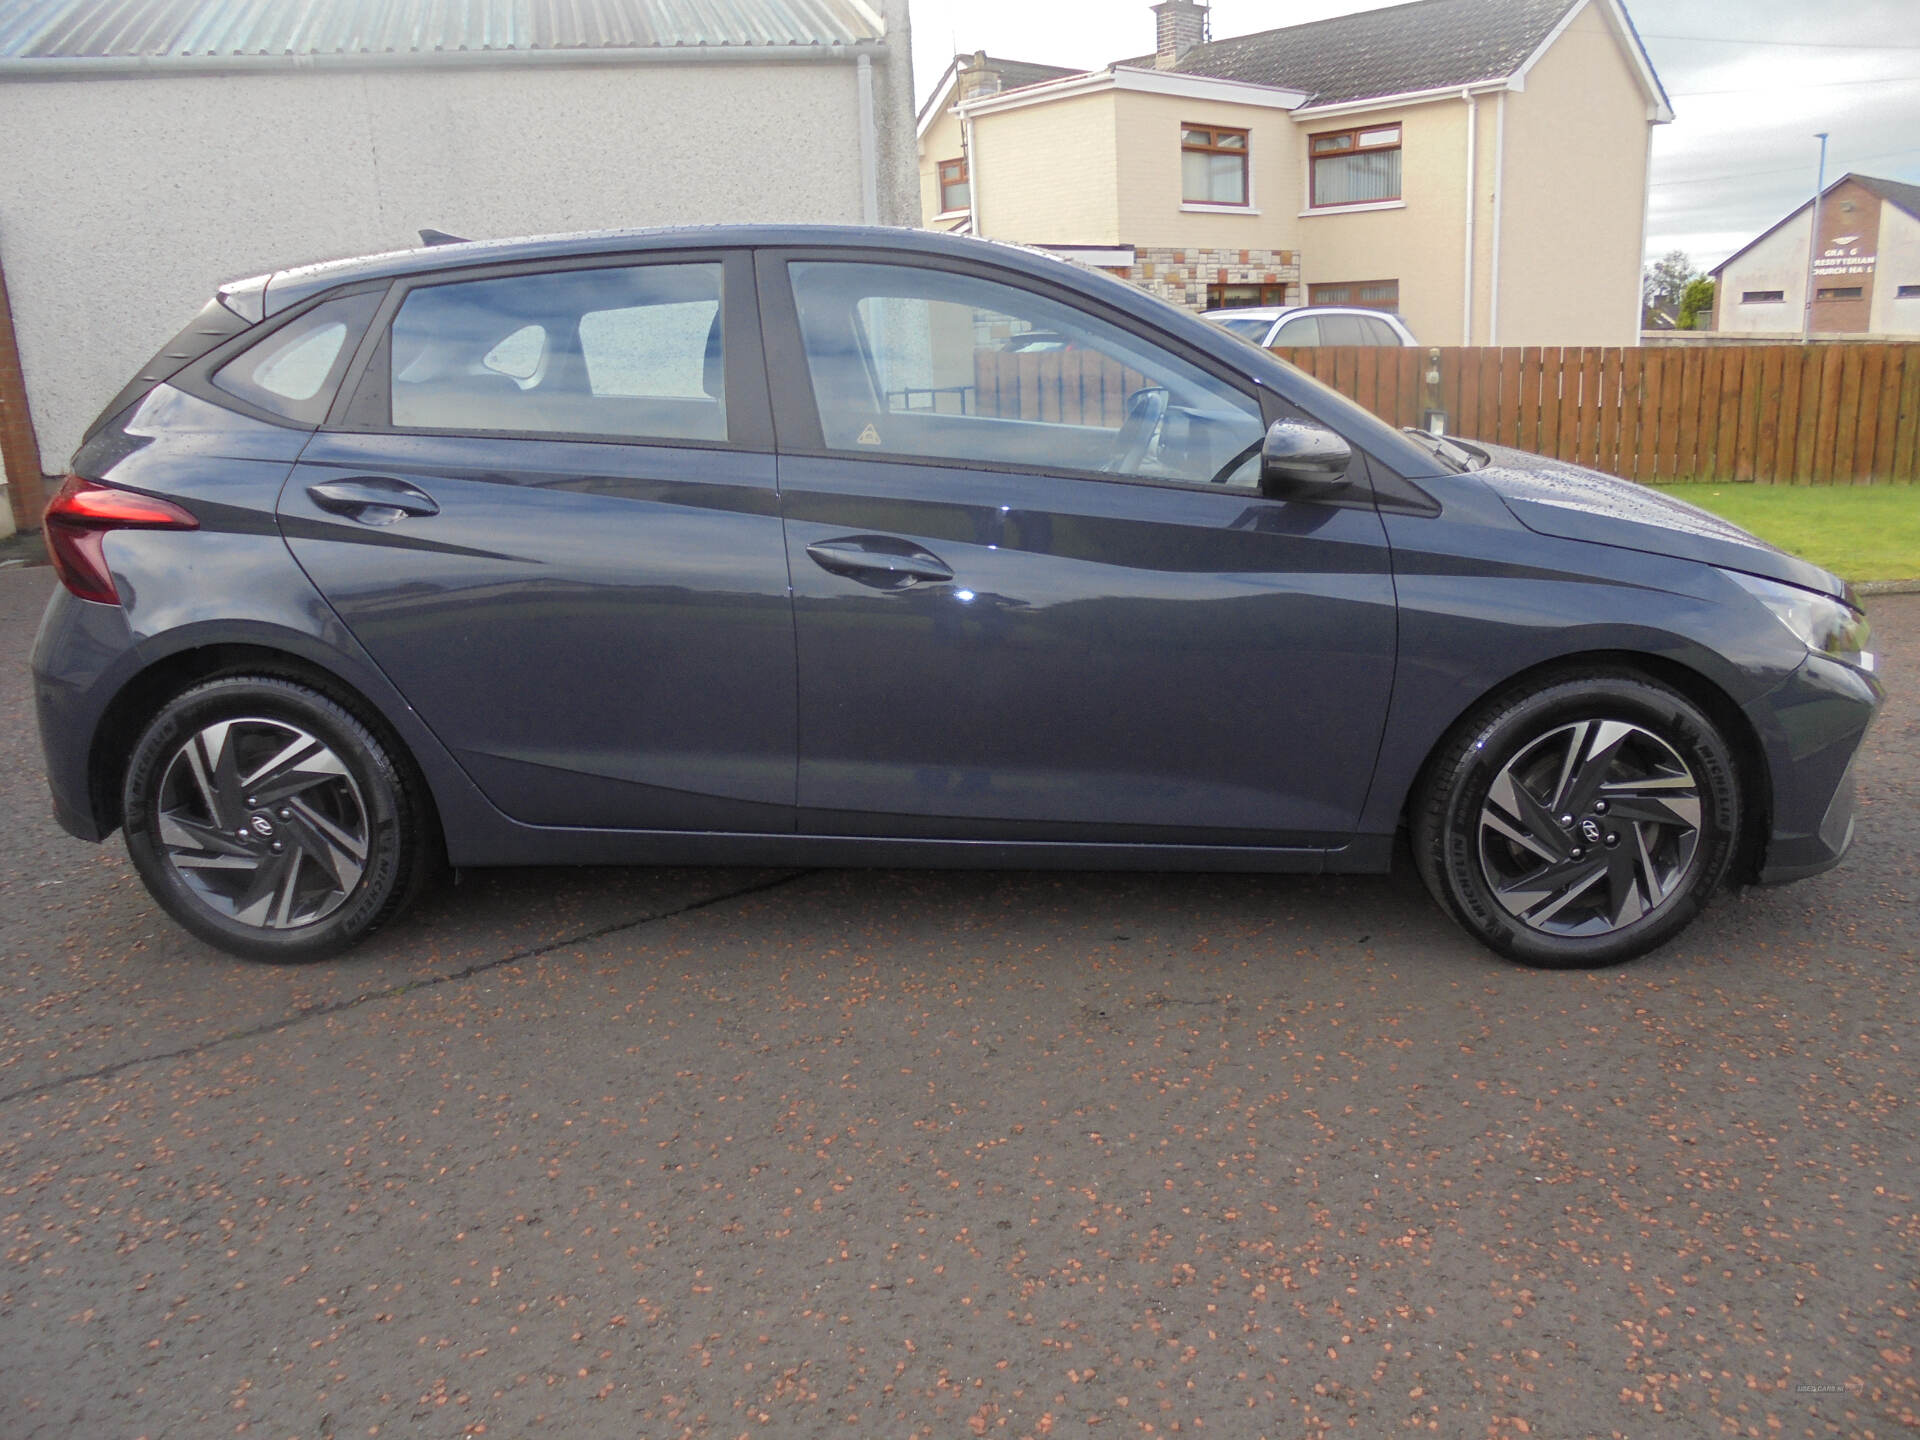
{"x": 1183, "y": 275}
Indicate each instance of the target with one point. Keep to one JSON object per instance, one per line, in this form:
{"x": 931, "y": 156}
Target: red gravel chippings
{"x": 673, "y": 1153}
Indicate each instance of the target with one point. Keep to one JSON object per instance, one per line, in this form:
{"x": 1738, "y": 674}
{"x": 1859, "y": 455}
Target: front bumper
{"x": 1811, "y": 727}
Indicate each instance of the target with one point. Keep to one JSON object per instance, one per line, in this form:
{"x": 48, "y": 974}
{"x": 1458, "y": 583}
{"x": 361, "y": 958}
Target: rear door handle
{"x": 879, "y": 560}
{"x": 372, "y": 499}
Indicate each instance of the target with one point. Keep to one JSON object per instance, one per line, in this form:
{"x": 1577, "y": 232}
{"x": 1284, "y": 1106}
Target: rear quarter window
{"x": 294, "y": 371}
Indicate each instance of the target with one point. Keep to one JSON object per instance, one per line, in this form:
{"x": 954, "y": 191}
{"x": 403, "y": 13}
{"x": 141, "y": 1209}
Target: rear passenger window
{"x": 293, "y": 371}
{"x": 1379, "y": 332}
{"x": 1343, "y": 330}
{"x": 629, "y": 351}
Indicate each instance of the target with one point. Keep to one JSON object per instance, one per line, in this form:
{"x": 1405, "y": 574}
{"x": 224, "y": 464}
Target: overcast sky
{"x": 1751, "y": 81}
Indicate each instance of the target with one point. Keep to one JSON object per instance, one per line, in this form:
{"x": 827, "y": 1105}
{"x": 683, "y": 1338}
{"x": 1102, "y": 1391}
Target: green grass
{"x": 1860, "y": 532}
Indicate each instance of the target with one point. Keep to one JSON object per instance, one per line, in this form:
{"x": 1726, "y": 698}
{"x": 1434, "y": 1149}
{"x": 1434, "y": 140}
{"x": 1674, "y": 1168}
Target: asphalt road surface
{"x": 652, "y": 1153}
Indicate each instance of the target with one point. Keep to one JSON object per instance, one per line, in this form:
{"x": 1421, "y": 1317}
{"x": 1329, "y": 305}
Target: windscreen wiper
{"x": 1466, "y": 457}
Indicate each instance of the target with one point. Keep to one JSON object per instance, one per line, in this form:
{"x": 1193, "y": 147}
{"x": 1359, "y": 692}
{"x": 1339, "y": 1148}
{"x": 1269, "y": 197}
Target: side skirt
{"x": 535, "y": 845}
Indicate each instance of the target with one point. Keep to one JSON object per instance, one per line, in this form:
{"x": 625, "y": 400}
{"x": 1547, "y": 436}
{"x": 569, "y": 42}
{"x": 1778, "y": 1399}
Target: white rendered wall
{"x": 1899, "y": 264}
{"x": 1778, "y": 262}
{"x": 127, "y": 200}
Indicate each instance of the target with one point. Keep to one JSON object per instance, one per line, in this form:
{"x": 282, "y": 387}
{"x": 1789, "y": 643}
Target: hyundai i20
{"x": 780, "y": 546}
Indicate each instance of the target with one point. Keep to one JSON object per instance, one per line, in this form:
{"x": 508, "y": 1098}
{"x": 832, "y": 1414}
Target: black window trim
{"x": 364, "y": 403}
{"x": 797, "y": 414}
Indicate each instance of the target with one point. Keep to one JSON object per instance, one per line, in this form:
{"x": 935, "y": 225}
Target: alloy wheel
{"x": 263, "y": 822}
{"x": 1589, "y": 828}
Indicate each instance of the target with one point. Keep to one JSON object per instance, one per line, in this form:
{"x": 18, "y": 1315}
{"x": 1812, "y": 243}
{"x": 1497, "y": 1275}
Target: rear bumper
{"x": 83, "y": 654}
{"x": 1811, "y": 728}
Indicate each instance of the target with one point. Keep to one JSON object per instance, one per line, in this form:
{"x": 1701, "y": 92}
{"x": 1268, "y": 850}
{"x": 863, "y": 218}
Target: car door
{"x": 1039, "y": 595}
{"x": 547, "y": 508}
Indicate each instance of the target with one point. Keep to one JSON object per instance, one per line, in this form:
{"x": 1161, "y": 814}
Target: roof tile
{"x": 1425, "y": 45}
{"x": 1906, "y": 196}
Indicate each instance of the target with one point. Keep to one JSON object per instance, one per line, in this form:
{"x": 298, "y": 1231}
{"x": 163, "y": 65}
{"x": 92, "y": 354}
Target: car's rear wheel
{"x": 1579, "y": 822}
{"x": 269, "y": 821}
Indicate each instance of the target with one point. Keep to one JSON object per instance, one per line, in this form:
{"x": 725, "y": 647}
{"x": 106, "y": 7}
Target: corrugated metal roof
{"x": 123, "y": 29}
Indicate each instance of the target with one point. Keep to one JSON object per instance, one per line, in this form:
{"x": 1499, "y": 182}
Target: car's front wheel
{"x": 1579, "y": 822}
{"x": 269, "y": 821}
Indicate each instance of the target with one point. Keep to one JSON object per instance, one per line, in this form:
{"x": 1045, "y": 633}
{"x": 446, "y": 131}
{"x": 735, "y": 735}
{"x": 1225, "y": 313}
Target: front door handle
{"x": 879, "y": 560}
{"x": 372, "y": 499}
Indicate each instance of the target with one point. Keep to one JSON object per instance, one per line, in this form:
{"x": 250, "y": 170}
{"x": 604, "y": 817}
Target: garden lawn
{"x": 1860, "y": 532}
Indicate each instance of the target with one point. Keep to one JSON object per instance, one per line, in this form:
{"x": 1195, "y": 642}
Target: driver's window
{"x": 911, "y": 361}
{"x": 1303, "y": 331}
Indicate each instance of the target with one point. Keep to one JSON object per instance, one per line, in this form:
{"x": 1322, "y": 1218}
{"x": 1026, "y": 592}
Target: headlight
{"x": 1820, "y": 622}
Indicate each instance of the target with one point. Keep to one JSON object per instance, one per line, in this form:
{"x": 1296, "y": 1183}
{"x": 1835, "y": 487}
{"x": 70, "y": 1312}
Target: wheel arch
{"x": 1750, "y": 761}
{"x": 149, "y": 689}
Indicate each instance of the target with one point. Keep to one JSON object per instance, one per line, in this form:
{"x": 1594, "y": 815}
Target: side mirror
{"x": 1298, "y": 460}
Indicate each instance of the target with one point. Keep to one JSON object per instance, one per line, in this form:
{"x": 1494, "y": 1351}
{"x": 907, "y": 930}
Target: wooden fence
{"x": 1073, "y": 387}
{"x": 1822, "y": 414}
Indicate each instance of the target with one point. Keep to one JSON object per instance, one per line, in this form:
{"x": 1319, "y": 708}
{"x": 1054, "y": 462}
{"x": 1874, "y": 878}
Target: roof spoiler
{"x": 441, "y": 237}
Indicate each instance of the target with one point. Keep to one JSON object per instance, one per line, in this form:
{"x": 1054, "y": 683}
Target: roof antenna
{"x": 441, "y": 237}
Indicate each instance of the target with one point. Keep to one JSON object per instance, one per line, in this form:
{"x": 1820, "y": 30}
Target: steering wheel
{"x": 1146, "y": 410}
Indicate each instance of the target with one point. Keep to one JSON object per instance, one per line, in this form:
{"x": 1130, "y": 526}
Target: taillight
{"x": 78, "y": 519}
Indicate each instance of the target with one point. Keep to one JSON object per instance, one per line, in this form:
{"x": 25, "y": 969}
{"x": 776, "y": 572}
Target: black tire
{"x": 336, "y": 835}
{"x": 1657, "y": 798}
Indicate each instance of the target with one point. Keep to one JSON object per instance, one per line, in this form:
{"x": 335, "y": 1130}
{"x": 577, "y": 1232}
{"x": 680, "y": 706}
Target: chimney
{"x": 977, "y": 78}
{"x": 1179, "y": 25}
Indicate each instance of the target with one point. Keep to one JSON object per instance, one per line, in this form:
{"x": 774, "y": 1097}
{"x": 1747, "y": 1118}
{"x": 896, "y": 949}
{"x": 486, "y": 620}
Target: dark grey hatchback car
{"x": 776, "y": 545}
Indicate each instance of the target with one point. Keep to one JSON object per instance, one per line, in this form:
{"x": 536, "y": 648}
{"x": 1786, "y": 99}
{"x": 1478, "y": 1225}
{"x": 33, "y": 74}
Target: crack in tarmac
{"x": 317, "y": 1012}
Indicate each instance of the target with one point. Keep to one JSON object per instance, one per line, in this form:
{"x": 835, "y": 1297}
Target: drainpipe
{"x": 1466, "y": 317}
{"x": 1499, "y": 203}
{"x": 973, "y": 174}
{"x": 869, "y": 144}
{"x": 1646, "y": 217}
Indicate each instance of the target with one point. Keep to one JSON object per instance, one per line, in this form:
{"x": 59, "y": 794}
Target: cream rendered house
{"x": 1477, "y": 166}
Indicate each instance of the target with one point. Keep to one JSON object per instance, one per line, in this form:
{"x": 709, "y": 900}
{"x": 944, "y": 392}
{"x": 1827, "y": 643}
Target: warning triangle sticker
{"x": 869, "y": 436}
